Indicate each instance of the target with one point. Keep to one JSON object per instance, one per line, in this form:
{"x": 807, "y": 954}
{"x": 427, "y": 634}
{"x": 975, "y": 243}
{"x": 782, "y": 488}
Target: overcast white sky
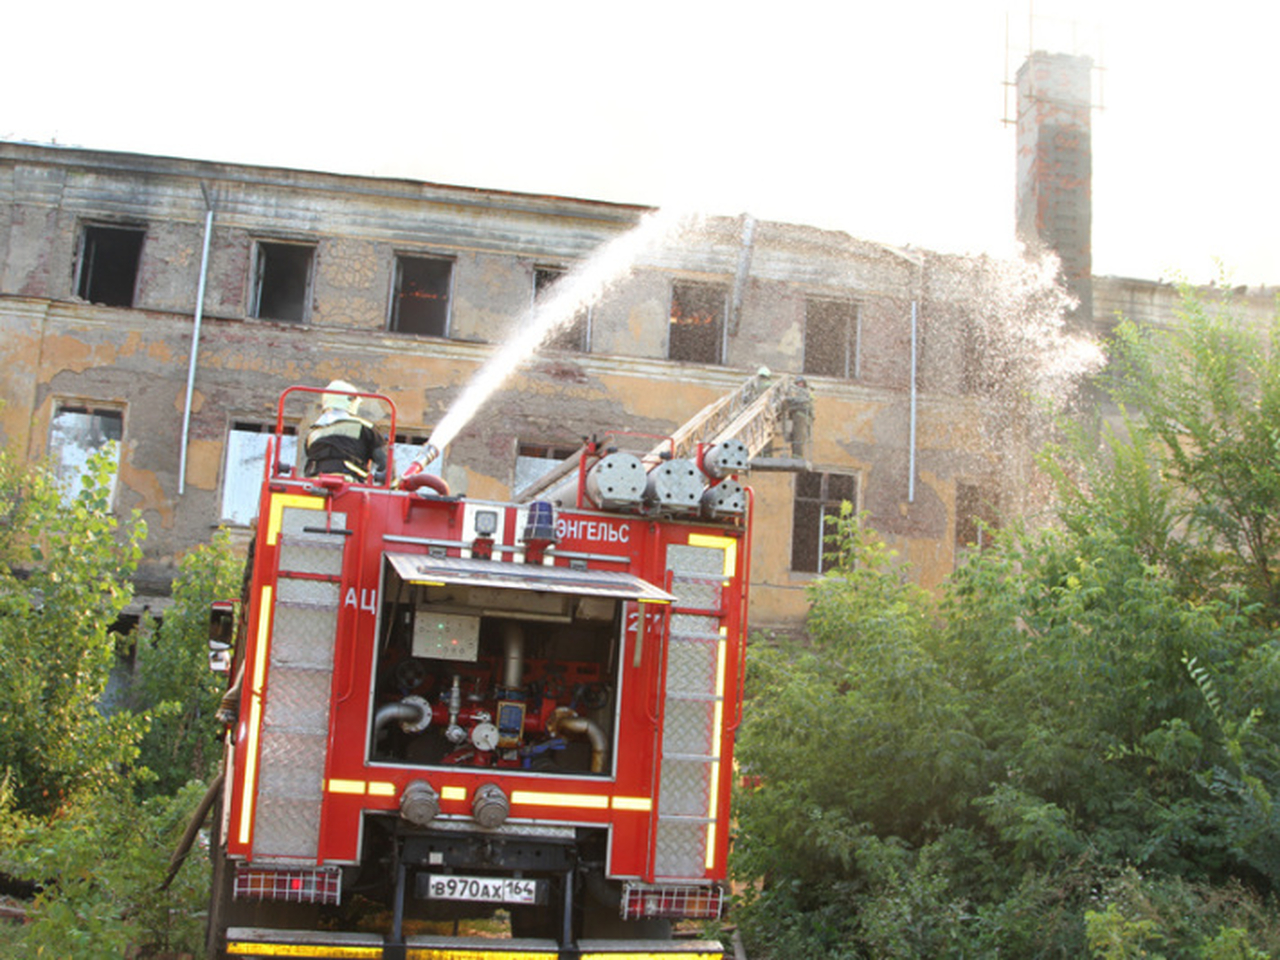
{"x": 880, "y": 119}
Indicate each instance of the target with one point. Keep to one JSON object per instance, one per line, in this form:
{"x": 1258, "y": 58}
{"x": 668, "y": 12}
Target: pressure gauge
{"x": 484, "y": 736}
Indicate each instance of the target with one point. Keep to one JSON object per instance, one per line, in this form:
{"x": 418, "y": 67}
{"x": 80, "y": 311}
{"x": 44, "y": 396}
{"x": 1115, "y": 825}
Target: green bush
{"x": 1075, "y": 748}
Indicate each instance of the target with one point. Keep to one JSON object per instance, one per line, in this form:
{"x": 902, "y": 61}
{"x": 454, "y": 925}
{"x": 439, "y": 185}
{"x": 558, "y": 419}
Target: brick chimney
{"x": 1055, "y": 166}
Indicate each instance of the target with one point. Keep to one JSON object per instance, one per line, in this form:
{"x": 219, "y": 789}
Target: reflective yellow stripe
{"x": 717, "y": 728}
{"x": 453, "y": 793}
{"x": 275, "y": 515}
{"x": 728, "y": 544}
{"x": 447, "y": 953}
{"x": 346, "y": 786}
{"x": 632, "y": 803}
{"x": 374, "y": 788}
{"x": 255, "y": 712}
{"x": 583, "y": 801}
{"x": 247, "y": 948}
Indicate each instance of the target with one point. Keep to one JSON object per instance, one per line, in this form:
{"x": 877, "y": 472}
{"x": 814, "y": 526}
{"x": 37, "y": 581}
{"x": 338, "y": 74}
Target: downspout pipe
{"x": 911, "y": 438}
{"x": 195, "y": 342}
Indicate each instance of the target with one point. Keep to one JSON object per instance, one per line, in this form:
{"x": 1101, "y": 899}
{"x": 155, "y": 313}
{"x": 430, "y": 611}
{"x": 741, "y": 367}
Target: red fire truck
{"x": 446, "y": 709}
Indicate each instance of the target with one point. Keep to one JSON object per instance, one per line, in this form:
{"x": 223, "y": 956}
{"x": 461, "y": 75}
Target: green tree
{"x": 173, "y": 682}
{"x": 64, "y": 579}
{"x": 1205, "y": 397}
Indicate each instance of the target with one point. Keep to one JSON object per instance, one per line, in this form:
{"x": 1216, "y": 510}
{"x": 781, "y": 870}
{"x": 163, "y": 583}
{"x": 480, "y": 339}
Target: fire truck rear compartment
{"x": 479, "y": 675}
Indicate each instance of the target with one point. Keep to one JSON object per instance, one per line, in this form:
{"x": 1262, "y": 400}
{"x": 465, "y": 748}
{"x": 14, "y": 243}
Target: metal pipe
{"x": 911, "y": 440}
{"x": 195, "y": 343}
{"x": 413, "y": 711}
{"x": 512, "y": 654}
{"x": 564, "y": 720}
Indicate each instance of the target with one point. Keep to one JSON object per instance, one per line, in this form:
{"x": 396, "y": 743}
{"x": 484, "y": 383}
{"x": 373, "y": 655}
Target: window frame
{"x": 397, "y": 282}
{"x": 258, "y": 278}
{"x": 827, "y": 505}
{"x": 574, "y": 337}
{"x": 720, "y": 338}
{"x": 86, "y": 258}
{"x": 251, "y": 470}
{"x": 68, "y": 484}
{"x": 976, "y": 513}
{"x": 851, "y": 339}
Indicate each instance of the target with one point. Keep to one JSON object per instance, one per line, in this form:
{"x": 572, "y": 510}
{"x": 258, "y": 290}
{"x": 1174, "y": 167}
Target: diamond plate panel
{"x": 681, "y": 849}
{"x": 691, "y": 666}
{"x": 686, "y": 625}
{"x": 699, "y": 594}
{"x": 292, "y": 766}
{"x": 286, "y": 828}
{"x": 315, "y": 592}
{"x": 294, "y": 519}
{"x": 298, "y": 700}
{"x": 695, "y": 561}
{"x": 687, "y": 727}
{"x": 303, "y": 636}
{"x": 305, "y": 557}
{"x": 686, "y": 788}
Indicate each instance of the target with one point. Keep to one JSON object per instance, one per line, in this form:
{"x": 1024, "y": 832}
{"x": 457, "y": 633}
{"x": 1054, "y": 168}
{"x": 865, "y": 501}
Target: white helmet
{"x": 340, "y": 401}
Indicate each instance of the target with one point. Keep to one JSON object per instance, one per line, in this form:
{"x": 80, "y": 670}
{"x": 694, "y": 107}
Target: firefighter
{"x": 342, "y": 443}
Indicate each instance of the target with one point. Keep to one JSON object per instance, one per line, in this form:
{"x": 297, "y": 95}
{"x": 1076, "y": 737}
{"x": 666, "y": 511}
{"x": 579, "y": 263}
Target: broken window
{"x": 818, "y": 496}
{"x": 697, "y": 322}
{"x": 282, "y": 281}
{"x": 831, "y": 338}
{"x": 108, "y": 264}
{"x": 976, "y": 518}
{"x": 77, "y": 433}
{"x": 421, "y": 300}
{"x": 572, "y": 333}
{"x": 245, "y": 468}
{"x": 535, "y": 460}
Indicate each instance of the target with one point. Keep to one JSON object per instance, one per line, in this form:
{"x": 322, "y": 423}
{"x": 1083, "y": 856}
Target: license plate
{"x": 482, "y": 889}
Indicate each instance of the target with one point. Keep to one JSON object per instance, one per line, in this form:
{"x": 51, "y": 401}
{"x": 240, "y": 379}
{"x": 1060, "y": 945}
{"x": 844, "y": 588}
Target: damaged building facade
{"x": 166, "y": 303}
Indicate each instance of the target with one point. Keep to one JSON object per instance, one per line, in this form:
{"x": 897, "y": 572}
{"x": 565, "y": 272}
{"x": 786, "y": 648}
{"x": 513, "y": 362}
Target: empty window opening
{"x": 571, "y": 333}
{"x": 535, "y": 460}
{"x": 421, "y": 301}
{"x": 697, "y": 322}
{"x": 245, "y": 468}
{"x": 109, "y": 258}
{"x": 818, "y": 496}
{"x": 831, "y": 338}
{"x": 976, "y": 517}
{"x": 76, "y": 434}
{"x": 282, "y": 281}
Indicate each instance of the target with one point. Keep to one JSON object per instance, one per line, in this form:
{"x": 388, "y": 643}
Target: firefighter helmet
{"x": 340, "y": 401}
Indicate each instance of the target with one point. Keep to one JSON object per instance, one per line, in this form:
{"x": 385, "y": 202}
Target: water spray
{"x": 581, "y": 287}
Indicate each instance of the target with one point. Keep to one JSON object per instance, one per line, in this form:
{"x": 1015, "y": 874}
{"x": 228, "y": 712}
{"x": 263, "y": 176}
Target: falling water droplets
{"x": 581, "y": 287}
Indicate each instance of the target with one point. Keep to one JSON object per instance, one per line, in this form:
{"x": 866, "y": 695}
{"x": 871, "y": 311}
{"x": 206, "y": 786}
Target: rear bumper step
{"x": 271, "y": 944}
